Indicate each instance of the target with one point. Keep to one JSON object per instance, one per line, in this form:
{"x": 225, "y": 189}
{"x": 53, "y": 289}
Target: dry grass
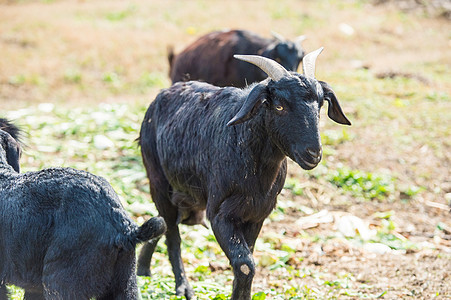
{"x": 45, "y": 46}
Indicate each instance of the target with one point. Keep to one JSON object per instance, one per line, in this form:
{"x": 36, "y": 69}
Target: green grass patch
{"x": 363, "y": 184}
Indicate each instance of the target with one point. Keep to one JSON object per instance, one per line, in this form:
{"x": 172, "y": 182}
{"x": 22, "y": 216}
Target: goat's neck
{"x": 267, "y": 157}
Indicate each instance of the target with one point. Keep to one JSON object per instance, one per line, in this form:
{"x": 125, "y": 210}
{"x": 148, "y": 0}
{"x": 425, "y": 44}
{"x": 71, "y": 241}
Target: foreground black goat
{"x": 224, "y": 150}
{"x": 64, "y": 233}
{"x": 210, "y": 58}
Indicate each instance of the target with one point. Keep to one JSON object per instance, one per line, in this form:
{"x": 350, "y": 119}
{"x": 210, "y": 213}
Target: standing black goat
{"x": 64, "y": 233}
{"x": 224, "y": 150}
{"x": 210, "y": 58}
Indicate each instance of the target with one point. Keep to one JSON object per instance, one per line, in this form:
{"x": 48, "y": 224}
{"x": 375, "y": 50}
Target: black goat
{"x": 210, "y": 58}
{"x": 64, "y": 233}
{"x": 13, "y": 155}
{"x": 195, "y": 162}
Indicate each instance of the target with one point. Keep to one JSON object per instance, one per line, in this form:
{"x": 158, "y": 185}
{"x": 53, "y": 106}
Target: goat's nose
{"x": 314, "y": 153}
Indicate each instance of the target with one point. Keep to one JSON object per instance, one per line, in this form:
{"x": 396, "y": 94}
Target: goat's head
{"x": 292, "y": 103}
{"x": 9, "y": 144}
{"x": 287, "y": 53}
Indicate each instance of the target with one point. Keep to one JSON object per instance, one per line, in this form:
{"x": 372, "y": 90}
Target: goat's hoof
{"x": 185, "y": 290}
{"x": 143, "y": 272}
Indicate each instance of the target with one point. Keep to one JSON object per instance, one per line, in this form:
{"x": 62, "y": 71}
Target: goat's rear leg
{"x": 173, "y": 241}
{"x": 145, "y": 257}
{"x": 34, "y": 295}
{"x": 3, "y": 292}
{"x": 160, "y": 191}
{"x": 124, "y": 285}
{"x": 182, "y": 286}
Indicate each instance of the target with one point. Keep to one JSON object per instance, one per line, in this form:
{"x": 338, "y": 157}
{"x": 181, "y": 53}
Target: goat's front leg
{"x": 237, "y": 243}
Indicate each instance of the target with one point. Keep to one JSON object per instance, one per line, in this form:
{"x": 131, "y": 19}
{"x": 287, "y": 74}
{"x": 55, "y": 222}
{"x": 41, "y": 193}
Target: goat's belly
{"x": 189, "y": 185}
{"x": 192, "y": 201}
{"x": 22, "y": 277}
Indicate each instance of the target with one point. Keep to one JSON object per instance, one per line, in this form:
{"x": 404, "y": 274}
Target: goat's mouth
{"x": 305, "y": 163}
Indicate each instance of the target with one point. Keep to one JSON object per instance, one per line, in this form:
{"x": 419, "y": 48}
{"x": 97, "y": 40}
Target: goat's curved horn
{"x": 298, "y": 40}
{"x": 278, "y": 36}
{"x": 308, "y": 62}
{"x": 274, "y": 70}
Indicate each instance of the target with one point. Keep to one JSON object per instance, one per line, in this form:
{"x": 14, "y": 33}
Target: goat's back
{"x": 210, "y": 59}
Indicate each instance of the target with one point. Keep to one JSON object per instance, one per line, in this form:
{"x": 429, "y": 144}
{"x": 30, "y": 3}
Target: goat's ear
{"x": 250, "y": 106}
{"x": 334, "y": 110}
{"x": 13, "y": 155}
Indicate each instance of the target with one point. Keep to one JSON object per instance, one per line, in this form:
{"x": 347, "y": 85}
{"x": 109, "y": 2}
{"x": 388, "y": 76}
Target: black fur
{"x": 12, "y": 148}
{"x": 9, "y": 127}
{"x": 65, "y": 235}
{"x": 224, "y": 150}
{"x": 210, "y": 58}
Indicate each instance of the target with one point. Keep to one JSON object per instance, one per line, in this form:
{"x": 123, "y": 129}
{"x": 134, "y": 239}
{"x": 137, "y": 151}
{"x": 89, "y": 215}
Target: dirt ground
{"x": 412, "y": 274}
{"x": 416, "y": 42}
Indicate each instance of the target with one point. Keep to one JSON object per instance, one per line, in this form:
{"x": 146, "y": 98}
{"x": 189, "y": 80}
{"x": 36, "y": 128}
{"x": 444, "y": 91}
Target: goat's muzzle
{"x": 309, "y": 158}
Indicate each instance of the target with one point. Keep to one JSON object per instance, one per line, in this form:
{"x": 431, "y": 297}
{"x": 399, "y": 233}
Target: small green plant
{"x": 363, "y": 184}
{"x": 72, "y": 76}
{"x": 386, "y": 232}
{"x": 294, "y": 185}
{"x": 153, "y": 79}
{"x": 121, "y": 15}
{"x": 259, "y": 296}
{"x": 17, "y": 79}
{"x": 111, "y": 77}
{"x": 15, "y": 292}
{"x": 335, "y": 137}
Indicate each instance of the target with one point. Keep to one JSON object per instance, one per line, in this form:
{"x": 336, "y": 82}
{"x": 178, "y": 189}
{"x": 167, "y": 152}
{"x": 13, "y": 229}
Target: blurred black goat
{"x": 224, "y": 150}
{"x": 64, "y": 233}
{"x": 210, "y": 58}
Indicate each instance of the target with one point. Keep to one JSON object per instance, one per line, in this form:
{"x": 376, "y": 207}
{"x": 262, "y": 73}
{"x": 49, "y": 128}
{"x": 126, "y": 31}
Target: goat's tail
{"x": 171, "y": 56}
{"x": 151, "y": 229}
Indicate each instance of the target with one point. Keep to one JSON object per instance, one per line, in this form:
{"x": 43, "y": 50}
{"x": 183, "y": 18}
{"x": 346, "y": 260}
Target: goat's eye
{"x": 279, "y": 107}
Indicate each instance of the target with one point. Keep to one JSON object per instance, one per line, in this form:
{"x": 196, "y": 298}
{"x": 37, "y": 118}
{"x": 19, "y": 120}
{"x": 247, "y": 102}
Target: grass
{"x": 67, "y": 137}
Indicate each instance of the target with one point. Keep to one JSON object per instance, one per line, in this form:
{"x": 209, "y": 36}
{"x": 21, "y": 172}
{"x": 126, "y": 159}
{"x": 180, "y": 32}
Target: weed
{"x": 122, "y": 14}
{"x": 73, "y": 76}
{"x": 363, "y": 184}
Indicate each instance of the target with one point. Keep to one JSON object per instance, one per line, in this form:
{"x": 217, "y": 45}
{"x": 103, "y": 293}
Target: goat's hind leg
{"x": 145, "y": 257}
{"x": 170, "y": 213}
{"x": 160, "y": 190}
{"x": 182, "y": 286}
{"x": 3, "y": 292}
{"x": 34, "y": 294}
{"x": 173, "y": 245}
{"x": 123, "y": 285}
{"x": 160, "y": 196}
